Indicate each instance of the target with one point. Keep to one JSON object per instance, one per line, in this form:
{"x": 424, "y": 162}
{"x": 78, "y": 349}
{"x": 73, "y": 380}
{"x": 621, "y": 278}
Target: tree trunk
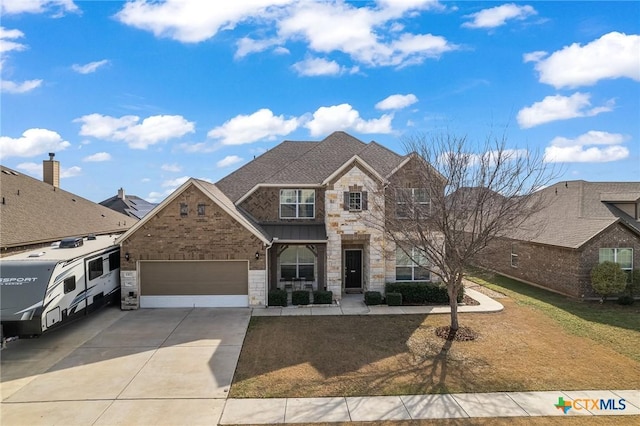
{"x": 453, "y": 303}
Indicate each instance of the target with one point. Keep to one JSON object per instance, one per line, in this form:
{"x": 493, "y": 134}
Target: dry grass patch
{"x": 519, "y": 349}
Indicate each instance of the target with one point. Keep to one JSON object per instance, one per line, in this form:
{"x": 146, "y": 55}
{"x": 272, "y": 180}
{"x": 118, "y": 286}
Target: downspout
{"x": 266, "y": 271}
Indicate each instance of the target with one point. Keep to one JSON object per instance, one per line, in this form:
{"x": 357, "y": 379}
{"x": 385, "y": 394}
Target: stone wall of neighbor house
{"x": 354, "y": 229}
{"x": 555, "y": 268}
{"x": 264, "y": 206}
{"x": 213, "y": 236}
{"x": 564, "y": 270}
{"x": 616, "y": 236}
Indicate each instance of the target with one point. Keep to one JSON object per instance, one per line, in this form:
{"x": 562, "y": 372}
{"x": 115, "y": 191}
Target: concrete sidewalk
{"x": 445, "y": 406}
{"x": 353, "y": 304}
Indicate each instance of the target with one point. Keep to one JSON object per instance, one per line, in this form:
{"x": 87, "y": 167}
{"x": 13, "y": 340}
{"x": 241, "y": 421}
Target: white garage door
{"x": 179, "y": 284}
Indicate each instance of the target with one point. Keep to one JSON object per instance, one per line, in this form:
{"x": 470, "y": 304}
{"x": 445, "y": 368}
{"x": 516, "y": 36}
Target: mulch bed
{"x": 463, "y": 334}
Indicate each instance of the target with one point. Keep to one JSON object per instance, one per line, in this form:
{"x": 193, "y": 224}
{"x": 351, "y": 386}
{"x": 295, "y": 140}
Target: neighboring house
{"x": 299, "y": 216}
{"x": 131, "y": 205}
{"x": 582, "y": 224}
{"x": 36, "y": 213}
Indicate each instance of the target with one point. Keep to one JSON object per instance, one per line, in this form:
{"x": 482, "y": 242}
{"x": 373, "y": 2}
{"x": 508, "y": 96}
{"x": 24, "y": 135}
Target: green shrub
{"x": 421, "y": 292}
{"x": 394, "y": 299}
{"x": 633, "y": 284}
{"x": 626, "y": 299}
{"x": 372, "y": 297}
{"x": 277, "y": 298}
{"x": 321, "y": 297}
{"x": 300, "y": 297}
{"x": 607, "y": 278}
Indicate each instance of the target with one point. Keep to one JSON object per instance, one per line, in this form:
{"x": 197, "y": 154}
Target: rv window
{"x": 95, "y": 268}
{"x": 69, "y": 284}
{"x": 114, "y": 260}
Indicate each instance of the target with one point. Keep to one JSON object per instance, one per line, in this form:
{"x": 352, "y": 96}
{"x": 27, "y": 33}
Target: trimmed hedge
{"x": 372, "y": 297}
{"x": 421, "y": 292}
{"x": 394, "y": 299}
{"x": 277, "y": 298}
{"x": 300, "y": 297}
{"x": 321, "y": 297}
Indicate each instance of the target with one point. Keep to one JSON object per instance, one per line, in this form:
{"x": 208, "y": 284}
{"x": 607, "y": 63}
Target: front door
{"x": 353, "y": 269}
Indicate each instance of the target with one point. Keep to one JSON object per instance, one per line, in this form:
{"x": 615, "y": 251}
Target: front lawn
{"x": 522, "y": 348}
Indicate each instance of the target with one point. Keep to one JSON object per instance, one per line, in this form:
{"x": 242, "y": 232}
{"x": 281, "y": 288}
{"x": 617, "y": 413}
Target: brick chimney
{"x": 51, "y": 171}
{"x": 121, "y": 194}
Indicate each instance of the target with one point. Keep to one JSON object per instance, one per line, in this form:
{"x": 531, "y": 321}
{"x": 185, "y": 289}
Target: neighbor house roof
{"x": 307, "y": 163}
{"x": 35, "y": 212}
{"x": 577, "y": 211}
{"x": 131, "y": 205}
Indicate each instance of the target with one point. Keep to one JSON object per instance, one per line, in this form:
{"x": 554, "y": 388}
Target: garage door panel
{"x": 198, "y": 278}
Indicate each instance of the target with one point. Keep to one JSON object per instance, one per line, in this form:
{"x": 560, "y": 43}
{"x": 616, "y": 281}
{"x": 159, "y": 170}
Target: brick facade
{"x": 216, "y": 235}
{"x": 264, "y": 206}
{"x": 560, "y": 269}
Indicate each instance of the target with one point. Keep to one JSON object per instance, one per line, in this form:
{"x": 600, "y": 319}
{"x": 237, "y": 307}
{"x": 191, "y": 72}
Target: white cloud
{"x": 534, "y": 56}
{"x": 70, "y": 172}
{"x": 90, "y": 67}
{"x": 343, "y": 117}
{"x": 193, "y": 21}
{"x": 369, "y": 34}
{"x": 317, "y": 66}
{"x": 397, "y": 102}
{"x": 558, "y": 107}
{"x": 8, "y": 86}
{"x": 33, "y": 142}
{"x": 174, "y": 168}
{"x": 360, "y": 32}
{"x": 229, "y": 160}
{"x": 614, "y": 55}
{"x": 174, "y": 183}
{"x": 129, "y": 129}
{"x": 14, "y": 7}
{"x": 592, "y": 137}
{"x": 35, "y": 170}
{"x": 6, "y": 40}
{"x": 591, "y": 147}
{"x": 498, "y": 16}
{"x": 98, "y": 157}
{"x": 260, "y": 125}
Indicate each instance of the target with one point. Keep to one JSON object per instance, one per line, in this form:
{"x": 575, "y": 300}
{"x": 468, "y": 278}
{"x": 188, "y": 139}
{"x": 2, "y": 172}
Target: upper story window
{"x": 297, "y": 203}
{"x": 201, "y": 209}
{"x": 355, "y": 201}
{"x": 184, "y": 209}
{"x": 411, "y": 265}
{"x": 621, "y": 256}
{"x": 412, "y": 202}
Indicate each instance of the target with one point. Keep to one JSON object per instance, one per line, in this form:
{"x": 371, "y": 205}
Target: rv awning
{"x": 297, "y": 233}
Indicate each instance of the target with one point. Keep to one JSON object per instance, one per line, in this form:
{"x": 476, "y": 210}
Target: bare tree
{"x": 455, "y": 198}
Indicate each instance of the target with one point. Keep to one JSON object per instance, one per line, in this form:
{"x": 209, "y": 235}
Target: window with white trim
{"x": 297, "y": 262}
{"x": 514, "y": 255}
{"x": 411, "y": 265}
{"x": 355, "y": 201}
{"x": 412, "y": 203}
{"x": 297, "y": 203}
{"x": 621, "y": 256}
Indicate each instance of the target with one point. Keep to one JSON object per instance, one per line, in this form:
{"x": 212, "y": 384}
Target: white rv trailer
{"x": 47, "y": 287}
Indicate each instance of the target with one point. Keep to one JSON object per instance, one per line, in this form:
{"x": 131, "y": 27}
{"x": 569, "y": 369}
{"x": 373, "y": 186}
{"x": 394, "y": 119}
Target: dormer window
{"x": 297, "y": 203}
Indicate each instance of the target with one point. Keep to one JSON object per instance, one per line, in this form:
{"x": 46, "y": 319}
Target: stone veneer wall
{"x": 214, "y": 236}
{"x": 353, "y": 229}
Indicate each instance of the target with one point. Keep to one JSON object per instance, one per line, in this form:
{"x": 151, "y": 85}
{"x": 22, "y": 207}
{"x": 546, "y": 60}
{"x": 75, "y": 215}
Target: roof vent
{"x": 37, "y": 254}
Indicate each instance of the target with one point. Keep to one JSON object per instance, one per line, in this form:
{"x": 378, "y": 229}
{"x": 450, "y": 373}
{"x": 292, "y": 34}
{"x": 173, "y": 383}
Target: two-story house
{"x": 308, "y": 215}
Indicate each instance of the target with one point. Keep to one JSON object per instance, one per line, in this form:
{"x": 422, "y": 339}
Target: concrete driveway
{"x": 151, "y": 366}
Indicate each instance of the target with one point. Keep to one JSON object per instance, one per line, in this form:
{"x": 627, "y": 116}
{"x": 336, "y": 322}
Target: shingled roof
{"x": 307, "y": 163}
{"x": 34, "y": 212}
{"x": 577, "y": 211}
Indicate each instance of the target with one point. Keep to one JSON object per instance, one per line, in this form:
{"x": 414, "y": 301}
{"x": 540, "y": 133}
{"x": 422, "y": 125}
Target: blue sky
{"x": 144, "y": 94}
